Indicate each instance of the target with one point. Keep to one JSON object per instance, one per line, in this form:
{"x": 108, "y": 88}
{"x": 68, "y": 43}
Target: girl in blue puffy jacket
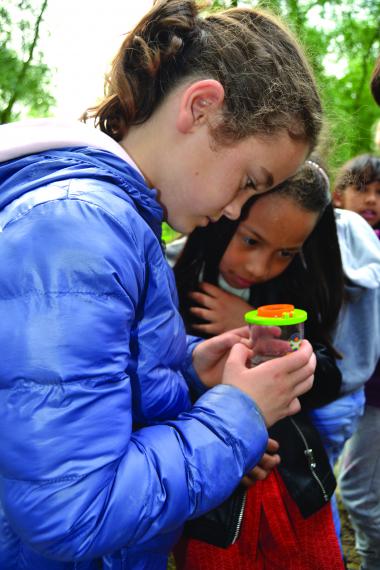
{"x": 103, "y": 453}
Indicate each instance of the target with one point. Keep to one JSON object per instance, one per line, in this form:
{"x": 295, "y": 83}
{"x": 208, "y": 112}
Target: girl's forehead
{"x": 284, "y": 210}
{"x": 270, "y": 210}
{"x": 274, "y": 201}
{"x": 364, "y": 184}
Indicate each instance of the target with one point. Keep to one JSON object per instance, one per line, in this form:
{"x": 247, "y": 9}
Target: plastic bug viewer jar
{"x": 275, "y": 330}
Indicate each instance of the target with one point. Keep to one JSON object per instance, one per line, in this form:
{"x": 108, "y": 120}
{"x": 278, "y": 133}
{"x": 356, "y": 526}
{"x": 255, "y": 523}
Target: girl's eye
{"x": 249, "y": 241}
{"x": 288, "y": 254}
{"x": 251, "y": 184}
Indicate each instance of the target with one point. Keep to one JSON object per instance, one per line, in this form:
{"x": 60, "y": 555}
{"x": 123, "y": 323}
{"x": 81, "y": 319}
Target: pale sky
{"x": 79, "y": 39}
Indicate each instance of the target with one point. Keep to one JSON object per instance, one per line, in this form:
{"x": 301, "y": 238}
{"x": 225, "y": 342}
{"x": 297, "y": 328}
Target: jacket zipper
{"x": 311, "y": 461}
{"x": 239, "y": 519}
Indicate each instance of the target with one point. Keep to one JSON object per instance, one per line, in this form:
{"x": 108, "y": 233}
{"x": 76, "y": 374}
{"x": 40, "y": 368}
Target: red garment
{"x": 274, "y": 536}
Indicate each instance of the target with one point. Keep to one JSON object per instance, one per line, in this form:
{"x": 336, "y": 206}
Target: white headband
{"x": 321, "y": 172}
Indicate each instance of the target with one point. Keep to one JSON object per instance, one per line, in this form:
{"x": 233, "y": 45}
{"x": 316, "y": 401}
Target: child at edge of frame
{"x": 357, "y": 189}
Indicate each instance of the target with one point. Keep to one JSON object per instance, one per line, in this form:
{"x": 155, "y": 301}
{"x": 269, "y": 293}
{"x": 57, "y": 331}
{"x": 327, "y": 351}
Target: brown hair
{"x": 359, "y": 172}
{"x": 267, "y": 81}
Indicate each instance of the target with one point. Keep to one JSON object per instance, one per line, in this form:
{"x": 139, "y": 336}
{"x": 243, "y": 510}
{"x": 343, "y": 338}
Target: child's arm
{"x": 222, "y": 311}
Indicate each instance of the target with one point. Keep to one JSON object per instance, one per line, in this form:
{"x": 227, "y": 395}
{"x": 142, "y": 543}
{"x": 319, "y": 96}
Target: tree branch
{"x": 6, "y": 113}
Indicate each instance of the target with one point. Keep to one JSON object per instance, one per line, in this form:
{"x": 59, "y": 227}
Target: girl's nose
{"x": 233, "y": 209}
{"x": 258, "y": 268}
{"x": 370, "y": 197}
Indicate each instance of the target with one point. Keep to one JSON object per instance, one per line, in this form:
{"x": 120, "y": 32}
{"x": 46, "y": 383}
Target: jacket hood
{"x": 360, "y": 249}
{"x": 41, "y": 152}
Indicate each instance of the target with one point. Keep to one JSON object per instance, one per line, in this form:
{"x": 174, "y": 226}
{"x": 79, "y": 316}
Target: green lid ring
{"x": 299, "y": 316}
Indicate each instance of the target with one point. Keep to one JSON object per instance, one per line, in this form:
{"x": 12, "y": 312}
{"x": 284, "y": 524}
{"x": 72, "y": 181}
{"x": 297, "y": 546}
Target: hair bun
{"x": 167, "y": 26}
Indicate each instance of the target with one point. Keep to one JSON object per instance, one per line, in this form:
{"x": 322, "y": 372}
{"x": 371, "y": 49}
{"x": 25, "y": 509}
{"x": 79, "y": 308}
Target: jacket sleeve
{"x": 76, "y": 481}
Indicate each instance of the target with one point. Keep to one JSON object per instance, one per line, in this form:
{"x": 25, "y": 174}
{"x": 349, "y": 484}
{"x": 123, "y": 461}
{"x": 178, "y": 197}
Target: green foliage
{"x": 342, "y": 41}
{"x": 217, "y": 5}
{"x": 24, "y": 78}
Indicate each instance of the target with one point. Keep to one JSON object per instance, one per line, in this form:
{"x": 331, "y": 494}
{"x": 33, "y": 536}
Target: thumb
{"x": 224, "y": 342}
{"x": 237, "y": 358}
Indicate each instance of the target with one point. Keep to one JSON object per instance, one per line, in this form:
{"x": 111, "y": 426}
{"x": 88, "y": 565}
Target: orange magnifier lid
{"x": 273, "y": 311}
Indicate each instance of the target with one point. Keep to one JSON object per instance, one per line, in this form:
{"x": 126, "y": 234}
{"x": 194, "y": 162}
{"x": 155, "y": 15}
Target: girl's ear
{"x": 337, "y": 199}
{"x": 199, "y": 102}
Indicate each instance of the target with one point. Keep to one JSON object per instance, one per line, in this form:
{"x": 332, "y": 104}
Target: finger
{"x": 271, "y": 346}
{"x": 260, "y": 475}
{"x": 262, "y": 470}
{"x": 201, "y": 299}
{"x": 306, "y": 372}
{"x": 260, "y": 331}
{"x": 208, "y": 328}
{"x": 202, "y": 313}
{"x": 302, "y": 374}
{"x": 305, "y": 348}
{"x": 272, "y": 446}
{"x": 247, "y": 342}
{"x": 269, "y": 462}
{"x": 294, "y": 407}
{"x": 247, "y": 482}
{"x": 242, "y": 332}
{"x": 224, "y": 342}
{"x": 211, "y": 290}
{"x": 304, "y": 386}
{"x": 237, "y": 358}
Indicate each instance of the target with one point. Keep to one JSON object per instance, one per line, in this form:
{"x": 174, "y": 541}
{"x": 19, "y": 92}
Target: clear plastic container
{"x": 275, "y": 330}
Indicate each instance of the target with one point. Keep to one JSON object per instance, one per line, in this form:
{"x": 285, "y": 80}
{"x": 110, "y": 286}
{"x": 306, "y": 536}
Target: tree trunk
{"x": 6, "y": 114}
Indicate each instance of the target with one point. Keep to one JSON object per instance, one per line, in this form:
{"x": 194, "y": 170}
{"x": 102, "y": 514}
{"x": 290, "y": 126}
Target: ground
{"x": 348, "y": 541}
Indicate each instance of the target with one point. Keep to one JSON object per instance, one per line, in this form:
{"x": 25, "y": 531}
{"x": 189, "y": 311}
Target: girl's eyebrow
{"x": 245, "y": 226}
{"x": 252, "y": 231}
{"x": 296, "y": 249}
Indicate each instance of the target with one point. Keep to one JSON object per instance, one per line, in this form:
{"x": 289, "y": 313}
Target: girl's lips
{"x": 241, "y": 282}
{"x": 368, "y": 214}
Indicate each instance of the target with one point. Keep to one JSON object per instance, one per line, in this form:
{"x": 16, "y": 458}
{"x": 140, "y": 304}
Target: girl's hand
{"x": 274, "y": 385}
{"x": 223, "y": 311}
{"x": 209, "y": 356}
{"x": 267, "y": 463}
{"x": 265, "y": 341}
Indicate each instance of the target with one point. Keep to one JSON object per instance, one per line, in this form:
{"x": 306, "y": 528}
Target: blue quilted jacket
{"x": 102, "y": 453}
